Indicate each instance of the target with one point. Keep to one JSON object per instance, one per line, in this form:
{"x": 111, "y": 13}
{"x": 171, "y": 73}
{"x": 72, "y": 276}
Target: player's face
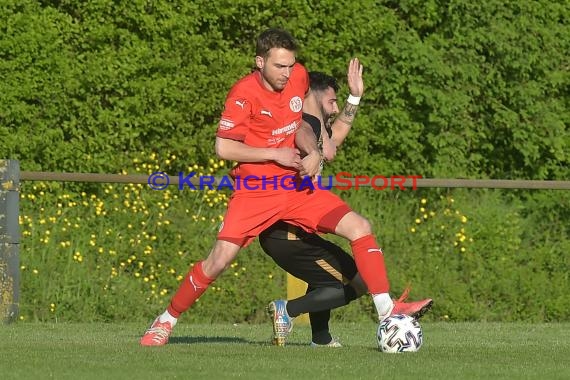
{"x": 276, "y": 68}
{"x": 329, "y": 106}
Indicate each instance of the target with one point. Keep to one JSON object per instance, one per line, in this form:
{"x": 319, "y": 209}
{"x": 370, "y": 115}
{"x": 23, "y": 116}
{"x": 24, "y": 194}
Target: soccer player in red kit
{"x": 261, "y": 129}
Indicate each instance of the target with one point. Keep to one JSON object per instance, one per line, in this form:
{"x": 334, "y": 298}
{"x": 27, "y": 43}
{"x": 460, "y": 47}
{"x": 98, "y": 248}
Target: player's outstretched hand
{"x": 354, "y": 75}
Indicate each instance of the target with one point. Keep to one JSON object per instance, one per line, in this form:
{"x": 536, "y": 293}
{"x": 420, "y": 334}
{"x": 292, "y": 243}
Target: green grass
{"x": 450, "y": 351}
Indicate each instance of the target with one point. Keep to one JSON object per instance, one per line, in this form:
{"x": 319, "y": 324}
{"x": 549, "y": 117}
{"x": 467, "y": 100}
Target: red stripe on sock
{"x": 192, "y": 287}
{"x": 370, "y": 263}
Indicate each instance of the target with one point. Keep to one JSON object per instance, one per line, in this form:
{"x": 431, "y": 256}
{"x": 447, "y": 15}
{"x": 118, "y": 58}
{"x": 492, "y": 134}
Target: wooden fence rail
{"x": 420, "y": 183}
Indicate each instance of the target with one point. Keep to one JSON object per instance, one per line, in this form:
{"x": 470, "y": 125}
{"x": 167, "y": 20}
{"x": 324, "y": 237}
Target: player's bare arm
{"x": 233, "y": 150}
{"x": 343, "y": 122}
{"x": 306, "y": 141}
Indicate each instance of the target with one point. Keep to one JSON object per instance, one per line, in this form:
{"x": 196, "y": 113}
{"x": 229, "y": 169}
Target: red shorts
{"x": 251, "y": 212}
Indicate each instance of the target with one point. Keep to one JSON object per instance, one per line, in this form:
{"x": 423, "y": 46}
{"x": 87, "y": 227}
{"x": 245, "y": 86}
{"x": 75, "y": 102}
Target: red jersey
{"x": 264, "y": 119}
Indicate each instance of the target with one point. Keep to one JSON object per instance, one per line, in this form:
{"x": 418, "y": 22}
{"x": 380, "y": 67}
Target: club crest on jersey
{"x": 296, "y": 104}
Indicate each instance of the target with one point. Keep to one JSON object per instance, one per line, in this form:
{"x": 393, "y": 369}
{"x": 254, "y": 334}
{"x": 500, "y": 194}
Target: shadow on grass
{"x": 207, "y": 339}
{"x": 223, "y": 339}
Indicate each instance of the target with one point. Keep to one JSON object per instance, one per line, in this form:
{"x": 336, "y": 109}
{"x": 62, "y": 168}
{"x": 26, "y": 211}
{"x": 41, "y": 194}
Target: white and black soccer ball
{"x": 399, "y": 333}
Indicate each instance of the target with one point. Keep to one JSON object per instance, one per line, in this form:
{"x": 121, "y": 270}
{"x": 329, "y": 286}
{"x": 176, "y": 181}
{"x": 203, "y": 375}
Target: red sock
{"x": 192, "y": 287}
{"x": 370, "y": 263}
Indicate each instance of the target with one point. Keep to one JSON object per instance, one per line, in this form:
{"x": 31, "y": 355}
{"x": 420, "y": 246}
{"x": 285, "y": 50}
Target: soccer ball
{"x": 399, "y": 333}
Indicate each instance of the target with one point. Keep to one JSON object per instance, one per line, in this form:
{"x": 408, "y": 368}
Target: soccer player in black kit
{"x": 329, "y": 271}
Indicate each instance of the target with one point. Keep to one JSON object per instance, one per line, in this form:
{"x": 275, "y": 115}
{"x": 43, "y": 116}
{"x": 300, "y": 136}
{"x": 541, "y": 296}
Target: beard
{"x": 328, "y": 117}
{"x": 325, "y": 115}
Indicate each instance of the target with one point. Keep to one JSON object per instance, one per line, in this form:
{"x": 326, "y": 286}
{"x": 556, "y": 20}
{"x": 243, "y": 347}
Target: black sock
{"x": 318, "y": 302}
{"x": 320, "y": 326}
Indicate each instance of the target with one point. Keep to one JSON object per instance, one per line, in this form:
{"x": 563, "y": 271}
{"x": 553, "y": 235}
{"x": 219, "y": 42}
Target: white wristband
{"x": 354, "y": 100}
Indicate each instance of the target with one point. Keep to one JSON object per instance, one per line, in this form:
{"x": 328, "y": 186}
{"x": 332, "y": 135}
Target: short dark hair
{"x": 320, "y": 81}
{"x": 274, "y": 38}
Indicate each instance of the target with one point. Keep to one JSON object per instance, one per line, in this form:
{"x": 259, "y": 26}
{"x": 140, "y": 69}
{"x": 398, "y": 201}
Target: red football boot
{"x": 414, "y": 309}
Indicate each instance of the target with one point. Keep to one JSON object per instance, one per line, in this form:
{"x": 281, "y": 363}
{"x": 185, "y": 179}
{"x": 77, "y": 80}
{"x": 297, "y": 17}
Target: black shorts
{"x": 308, "y": 257}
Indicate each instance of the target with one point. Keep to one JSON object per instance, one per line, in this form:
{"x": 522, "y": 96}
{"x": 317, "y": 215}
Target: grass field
{"x": 221, "y": 351}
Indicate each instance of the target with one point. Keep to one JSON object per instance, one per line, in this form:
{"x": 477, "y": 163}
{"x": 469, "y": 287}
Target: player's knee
{"x": 354, "y": 226}
{"x": 362, "y": 226}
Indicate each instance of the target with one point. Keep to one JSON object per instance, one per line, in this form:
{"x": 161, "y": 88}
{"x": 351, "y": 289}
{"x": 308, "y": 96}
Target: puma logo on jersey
{"x": 268, "y": 113}
{"x": 240, "y": 103}
{"x": 370, "y": 250}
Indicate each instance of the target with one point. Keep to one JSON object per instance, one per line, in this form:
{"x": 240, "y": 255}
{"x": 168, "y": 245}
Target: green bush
{"x": 462, "y": 89}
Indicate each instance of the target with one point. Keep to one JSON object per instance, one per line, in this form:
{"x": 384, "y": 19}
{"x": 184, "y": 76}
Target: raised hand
{"x": 354, "y": 75}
